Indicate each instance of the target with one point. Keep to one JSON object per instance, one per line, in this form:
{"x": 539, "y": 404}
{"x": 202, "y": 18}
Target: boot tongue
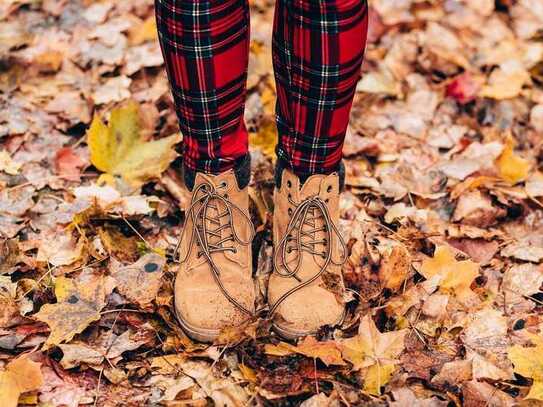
{"x": 312, "y": 186}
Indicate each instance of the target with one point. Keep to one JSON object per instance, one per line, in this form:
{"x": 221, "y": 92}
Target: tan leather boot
{"x": 214, "y": 287}
{"x": 306, "y": 288}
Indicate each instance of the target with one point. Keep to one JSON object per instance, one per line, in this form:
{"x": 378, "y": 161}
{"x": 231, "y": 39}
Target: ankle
{"x": 242, "y": 171}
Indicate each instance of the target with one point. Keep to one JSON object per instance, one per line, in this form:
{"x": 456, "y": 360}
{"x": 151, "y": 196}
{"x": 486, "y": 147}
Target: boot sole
{"x": 293, "y": 334}
{"x": 197, "y": 334}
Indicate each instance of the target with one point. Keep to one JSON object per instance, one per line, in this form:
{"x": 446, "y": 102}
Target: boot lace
{"x": 207, "y": 230}
{"x": 298, "y": 239}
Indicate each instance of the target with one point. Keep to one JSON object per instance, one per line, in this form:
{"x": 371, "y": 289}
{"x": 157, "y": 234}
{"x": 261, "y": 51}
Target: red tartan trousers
{"x": 318, "y": 48}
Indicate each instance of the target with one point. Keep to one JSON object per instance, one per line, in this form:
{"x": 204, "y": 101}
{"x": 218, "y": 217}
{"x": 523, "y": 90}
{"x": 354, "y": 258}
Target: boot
{"x": 306, "y": 288}
{"x": 214, "y": 286}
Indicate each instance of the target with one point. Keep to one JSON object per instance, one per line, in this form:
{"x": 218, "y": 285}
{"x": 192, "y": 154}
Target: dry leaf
{"x": 139, "y": 282}
{"x": 118, "y": 148}
{"x": 374, "y": 351}
{"x": 327, "y": 351}
{"x": 452, "y": 275}
{"x": 512, "y": 168}
{"x": 21, "y": 375}
{"x": 79, "y": 302}
{"x": 528, "y": 361}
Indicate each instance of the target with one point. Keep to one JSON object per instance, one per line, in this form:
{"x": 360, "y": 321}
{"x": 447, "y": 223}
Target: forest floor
{"x": 443, "y": 215}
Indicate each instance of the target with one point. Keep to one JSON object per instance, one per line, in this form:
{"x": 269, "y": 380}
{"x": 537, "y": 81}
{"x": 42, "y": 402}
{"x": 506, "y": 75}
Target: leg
{"x": 318, "y": 48}
{"x": 205, "y": 45}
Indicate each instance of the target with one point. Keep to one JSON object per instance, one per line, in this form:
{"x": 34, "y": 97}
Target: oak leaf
{"x": 119, "y": 149}
{"x": 374, "y": 351}
{"x": 21, "y": 375}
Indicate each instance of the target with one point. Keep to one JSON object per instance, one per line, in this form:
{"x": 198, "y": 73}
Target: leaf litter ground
{"x": 443, "y": 214}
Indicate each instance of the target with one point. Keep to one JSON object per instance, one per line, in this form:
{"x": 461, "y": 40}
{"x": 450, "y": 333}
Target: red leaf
{"x": 463, "y": 88}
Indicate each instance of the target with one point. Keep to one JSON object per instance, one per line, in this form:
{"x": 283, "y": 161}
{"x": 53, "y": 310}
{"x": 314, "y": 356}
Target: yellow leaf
{"x": 528, "y": 362}
{"x": 144, "y": 31}
{"x": 265, "y": 139}
{"x": 512, "y": 168}
{"x": 79, "y": 302}
{"x": 505, "y": 82}
{"x": 376, "y": 377}
{"x": 119, "y": 149}
{"x": 9, "y": 393}
{"x": 327, "y": 351}
{"x": 248, "y": 373}
{"x": 7, "y": 165}
{"x": 21, "y": 375}
{"x": 374, "y": 350}
{"x": 454, "y": 275}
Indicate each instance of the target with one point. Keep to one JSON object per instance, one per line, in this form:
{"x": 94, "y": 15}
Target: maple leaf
{"x": 327, "y": 351}
{"x": 528, "y": 362}
{"x": 513, "y": 168}
{"x": 21, "y": 375}
{"x": 374, "y": 351}
{"x": 79, "y": 302}
{"x": 119, "y": 149}
{"x": 453, "y": 275}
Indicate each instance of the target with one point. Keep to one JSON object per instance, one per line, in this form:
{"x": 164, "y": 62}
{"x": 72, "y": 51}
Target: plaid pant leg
{"x": 205, "y": 44}
{"x": 318, "y": 48}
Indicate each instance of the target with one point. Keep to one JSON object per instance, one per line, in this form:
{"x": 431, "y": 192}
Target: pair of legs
{"x": 318, "y": 47}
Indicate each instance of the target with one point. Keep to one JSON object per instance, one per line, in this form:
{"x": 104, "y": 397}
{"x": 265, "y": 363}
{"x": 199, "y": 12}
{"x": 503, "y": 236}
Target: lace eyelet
{"x": 289, "y": 211}
{"x": 289, "y": 184}
{"x": 225, "y": 196}
{"x": 234, "y": 250}
{"x": 326, "y": 200}
{"x": 223, "y": 184}
{"x": 289, "y": 249}
{"x": 289, "y": 196}
{"x": 329, "y": 189}
{"x": 323, "y": 255}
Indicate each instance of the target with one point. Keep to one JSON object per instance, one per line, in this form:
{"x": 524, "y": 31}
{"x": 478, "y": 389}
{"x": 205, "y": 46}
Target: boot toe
{"x": 203, "y": 310}
{"x": 307, "y": 310}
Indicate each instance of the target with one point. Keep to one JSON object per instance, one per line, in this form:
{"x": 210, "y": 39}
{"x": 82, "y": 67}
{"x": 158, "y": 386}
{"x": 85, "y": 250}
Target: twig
{"x": 98, "y": 388}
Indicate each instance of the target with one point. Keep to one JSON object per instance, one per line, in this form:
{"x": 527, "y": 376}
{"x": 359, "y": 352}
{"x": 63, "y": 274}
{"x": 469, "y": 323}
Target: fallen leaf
{"x": 395, "y": 266}
{"x": 139, "y": 282}
{"x": 118, "y": 148}
{"x": 327, "y": 351}
{"x": 506, "y": 81}
{"x": 144, "y": 31}
{"x": 61, "y": 249}
{"x": 464, "y": 88}
{"x": 513, "y": 168}
{"x": 453, "y": 275}
{"x": 528, "y": 362}
{"x": 7, "y": 164}
{"x": 21, "y": 375}
{"x": 374, "y": 351}
{"x": 69, "y": 164}
{"x": 79, "y": 302}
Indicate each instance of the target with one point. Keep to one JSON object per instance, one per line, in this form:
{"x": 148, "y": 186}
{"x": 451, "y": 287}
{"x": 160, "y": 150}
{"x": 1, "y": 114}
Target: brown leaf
{"x": 79, "y": 303}
{"x": 139, "y": 282}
